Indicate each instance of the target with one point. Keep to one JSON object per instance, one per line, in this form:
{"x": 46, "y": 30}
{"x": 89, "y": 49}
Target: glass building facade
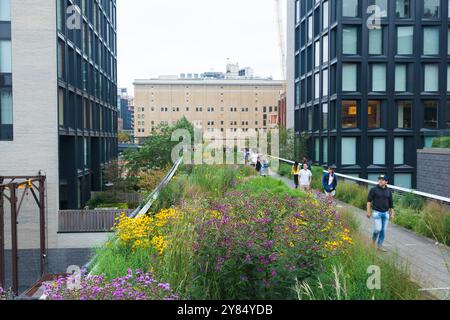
{"x": 6, "y": 111}
{"x": 87, "y": 96}
{"x": 371, "y": 90}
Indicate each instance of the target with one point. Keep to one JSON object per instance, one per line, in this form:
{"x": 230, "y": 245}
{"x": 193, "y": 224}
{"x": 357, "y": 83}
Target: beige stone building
{"x": 215, "y": 105}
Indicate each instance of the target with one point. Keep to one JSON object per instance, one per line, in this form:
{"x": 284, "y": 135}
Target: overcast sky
{"x": 169, "y": 37}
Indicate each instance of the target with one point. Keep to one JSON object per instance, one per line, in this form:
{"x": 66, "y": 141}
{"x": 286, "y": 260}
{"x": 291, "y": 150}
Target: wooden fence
{"x": 88, "y": 221}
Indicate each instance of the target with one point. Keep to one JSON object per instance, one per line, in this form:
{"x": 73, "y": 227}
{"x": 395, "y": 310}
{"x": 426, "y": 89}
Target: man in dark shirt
{"x": 381, "y": 201}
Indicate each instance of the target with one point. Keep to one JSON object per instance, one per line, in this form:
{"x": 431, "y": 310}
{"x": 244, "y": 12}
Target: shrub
{"x": 285, "y": 170}
{"x": 411, "y": 201}
{"x": 352, "y": 194}
{"x": 133, "y": 286}
{"x": 345, "y": 277}
{"x": 253, "y": 246}
{"x": 441, "y": 142}
{"x": 101, "y": 199}
{"x": 268, "y": 185}
{"x": 434, "y": 222}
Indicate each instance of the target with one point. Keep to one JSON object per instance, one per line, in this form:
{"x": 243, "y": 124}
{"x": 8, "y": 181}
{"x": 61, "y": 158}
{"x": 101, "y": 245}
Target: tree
{"x": 124, "y": 137}
{"x": 157, "y": 150}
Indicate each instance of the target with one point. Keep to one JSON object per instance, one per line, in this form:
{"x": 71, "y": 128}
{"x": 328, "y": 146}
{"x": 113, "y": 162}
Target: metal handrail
{"x": 147, "y": 204}
{"x": 419, "y": 193}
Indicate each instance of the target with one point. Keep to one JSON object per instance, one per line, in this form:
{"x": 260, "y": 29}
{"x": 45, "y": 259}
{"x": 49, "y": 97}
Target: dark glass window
{"x": 374, "y": 114}
{"x": 349, "y": 114}
{"x": 430, "y": 114}
{"x": 404, "y": 114}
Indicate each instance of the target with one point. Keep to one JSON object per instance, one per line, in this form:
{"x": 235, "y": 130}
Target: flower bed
{"x": 134, "y": 286}
{"x": 254, "y": 247}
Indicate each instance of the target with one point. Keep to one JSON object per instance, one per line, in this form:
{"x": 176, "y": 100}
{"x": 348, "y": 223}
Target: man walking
{"x": 305, "y": 178}
{"x": 381, "y": 201}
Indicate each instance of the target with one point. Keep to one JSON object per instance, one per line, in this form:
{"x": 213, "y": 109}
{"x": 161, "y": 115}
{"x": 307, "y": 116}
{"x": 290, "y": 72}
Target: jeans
{"x": 381, "y": 222}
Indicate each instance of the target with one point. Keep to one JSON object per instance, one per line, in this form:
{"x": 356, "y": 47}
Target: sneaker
{"x": 382, "y": 249}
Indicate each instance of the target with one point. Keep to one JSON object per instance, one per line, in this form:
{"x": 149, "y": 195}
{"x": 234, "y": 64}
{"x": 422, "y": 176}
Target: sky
{"x": 169, "y": 37}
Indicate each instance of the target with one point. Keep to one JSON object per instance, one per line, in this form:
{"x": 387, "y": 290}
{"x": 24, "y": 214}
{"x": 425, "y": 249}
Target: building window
{"x": 61, "y": 59}
{"x": 349, "y": 114}
{"x": 374, "y": 114}
{"x": 430, "y": 114}
{"x": 317, "y": 54}
{"x": 431, "y": 78}
{"x": 325, "y": 53}
{"x": 448, "y": 41}
{"x": 379, "y": 151}
{"x": 375, "y": 41}
{"x": 383, "y": 5}
{"x": 317, "y": 86}
{"x": 348, "y": 152}
{"x": 399, "y": 151}
{"x": 317, "y": 149}
{"x": 403, "y": 8}
{"x": 448, "y": 78}
{"x": 5, "y": 56}
{"x": 5, "y": 10}
{"x": 6, "y": 111}
{"x": 325, "y": 150}
{"x": 350, "y": 40}
{"x": 448, "y": 114}
{"x": 310, "y": 119}
{"x": 431, "y": 8}
{"x": 326, "y": 15}
{"x": 431, "y": 41}
{"x": 350, "y": 8}
{"x": 349, "y": 76}
{"x": 325, "y": 83}
{"x": 297, "y": 11}
{"x": 61, "y": 101}
{"x": 405, "y": 36}
{"x": 378, "y": 77}
{"x": 403, "y": 180}
{"x": 325, "y": 116}
{"x": 404, "y": 114}
{"x": 400, "y": 77}
{"x": 310, "y": 28}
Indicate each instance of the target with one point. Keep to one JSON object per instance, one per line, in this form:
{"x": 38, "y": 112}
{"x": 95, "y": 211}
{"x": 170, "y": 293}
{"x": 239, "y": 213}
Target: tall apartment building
{"x": 58, "y": 101}
{"x": 126, "y": 109}
{"x": 370, "y": 94}
{"x": 218, "y": 103}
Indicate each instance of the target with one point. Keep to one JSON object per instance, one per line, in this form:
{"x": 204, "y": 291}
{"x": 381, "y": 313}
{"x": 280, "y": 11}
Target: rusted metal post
{"x": 42, "y": 223}
{"x": 2, "y": 238}
{"x": 15, "y": 258}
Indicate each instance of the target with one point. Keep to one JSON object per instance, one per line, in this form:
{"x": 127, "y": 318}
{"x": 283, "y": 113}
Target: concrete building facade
{"x": 58, "y": 107}
{"x": 217, "y": 105}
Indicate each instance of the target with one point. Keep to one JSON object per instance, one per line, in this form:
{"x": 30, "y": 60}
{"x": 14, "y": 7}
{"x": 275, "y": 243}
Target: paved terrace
{"x": 428, "y": 262}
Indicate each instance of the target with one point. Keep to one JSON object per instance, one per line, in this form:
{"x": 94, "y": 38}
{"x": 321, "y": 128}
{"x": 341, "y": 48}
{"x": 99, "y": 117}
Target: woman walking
{"x": 296, "y": 172}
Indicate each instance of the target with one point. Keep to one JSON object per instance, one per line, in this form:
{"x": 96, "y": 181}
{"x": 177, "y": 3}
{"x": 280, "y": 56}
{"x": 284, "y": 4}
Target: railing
{"x": 88, "y": 221}
{"x": 144, "y": 207}
{"x": 369, "y": 182}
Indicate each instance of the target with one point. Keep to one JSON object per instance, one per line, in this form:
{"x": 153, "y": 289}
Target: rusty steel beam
{"x": 14, "y": 240}
{"x": 2, "y": 239}
{"x": 42, "y": 224}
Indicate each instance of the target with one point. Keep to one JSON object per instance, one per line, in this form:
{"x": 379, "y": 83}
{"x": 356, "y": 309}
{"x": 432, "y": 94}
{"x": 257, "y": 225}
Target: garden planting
{"x": 219, "y": 232}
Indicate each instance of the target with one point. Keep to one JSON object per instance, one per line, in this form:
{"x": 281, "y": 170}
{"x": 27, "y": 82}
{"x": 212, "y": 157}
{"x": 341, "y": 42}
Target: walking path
{"x": 428, "y": 263}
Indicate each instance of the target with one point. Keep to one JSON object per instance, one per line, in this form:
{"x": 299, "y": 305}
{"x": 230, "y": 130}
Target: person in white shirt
{"x": 305, "y": 178}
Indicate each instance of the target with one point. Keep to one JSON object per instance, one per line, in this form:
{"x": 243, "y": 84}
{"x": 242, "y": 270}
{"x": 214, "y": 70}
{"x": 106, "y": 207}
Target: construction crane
{"x": 281, "y": 41}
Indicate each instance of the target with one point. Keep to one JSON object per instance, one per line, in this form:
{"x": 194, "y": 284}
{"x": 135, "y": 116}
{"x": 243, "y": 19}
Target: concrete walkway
{"x": 428, "y": 262}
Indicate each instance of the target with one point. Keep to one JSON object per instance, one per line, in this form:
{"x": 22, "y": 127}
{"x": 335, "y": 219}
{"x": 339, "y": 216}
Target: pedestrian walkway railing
{"x": 392, "y": 187}
{"x": 147, "y": 204}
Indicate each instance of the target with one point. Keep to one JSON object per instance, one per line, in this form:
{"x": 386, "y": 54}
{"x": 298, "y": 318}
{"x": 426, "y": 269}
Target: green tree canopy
{"x": 157, "y": 149}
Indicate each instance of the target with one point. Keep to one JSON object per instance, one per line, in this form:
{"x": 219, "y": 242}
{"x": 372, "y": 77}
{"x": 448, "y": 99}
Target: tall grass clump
{"x": 352, "y": 194}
